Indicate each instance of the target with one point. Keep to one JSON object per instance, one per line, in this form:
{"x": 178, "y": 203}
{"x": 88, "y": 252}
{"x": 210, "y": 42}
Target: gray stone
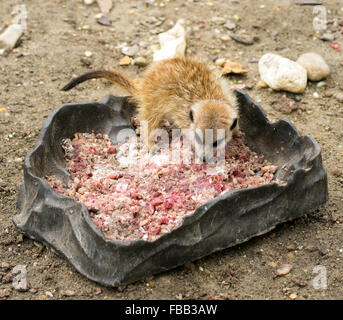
{"x": 230, "y": 25}
{"x": 327, "y": 37}
{"x": 218, "y": 20}
{"x": 141, "y": 62}
{"x": 130, "y": 51}
{"x": 316, "y": 67}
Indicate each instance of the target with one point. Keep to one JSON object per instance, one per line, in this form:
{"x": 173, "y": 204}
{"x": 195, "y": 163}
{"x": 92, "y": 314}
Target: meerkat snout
{"x": 212, "y": 125}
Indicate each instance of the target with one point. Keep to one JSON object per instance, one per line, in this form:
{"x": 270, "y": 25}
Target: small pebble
{"x": 104, "y": 20}
{"x": 292, "y": 296}
{"x": 88, "y": 54}
{"x": 336, "y": 172}
{"x": 327, "y": 37}
{"x": 233, "y": 67}
{"x": 284, "y": 269}
{"x": 67, "y": 293}
{"x": 230, "y": 25}
{"x": 4, "y": 293}
{"x": 339, "y": 96}
{"x": 290, "y": 255}
{"x": 218, "y": 20}
{"x": 225, "y": 38}
{"x": 299, "y": 282}
{"x": 86, "y": 61}
{"x": 140, "y": 62}
{"x": 5, "y": 265}
{"x": 321, "y": 84}
{"x": 315, "y": 95}
{"x": 220, "y": 62}
{"x": 2, "y": 185}
{"x": 261, "y": 84}
{"x": 311, "y": 248}
{"x": 97, "y": 291}
{"x": 125, "y": 61}
{"x": 242, "y": 38}
{"x": 236, "y": 18}
{"x": 130, "y": 51}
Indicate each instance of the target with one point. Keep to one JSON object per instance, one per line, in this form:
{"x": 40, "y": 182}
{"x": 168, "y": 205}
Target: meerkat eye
{"x": 234, "y": 124}
{"x": 217, "y": 142}
{"x": 191, "y": 115}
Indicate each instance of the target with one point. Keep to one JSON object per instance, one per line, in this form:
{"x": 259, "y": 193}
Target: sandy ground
{"x": 52, "y": 50}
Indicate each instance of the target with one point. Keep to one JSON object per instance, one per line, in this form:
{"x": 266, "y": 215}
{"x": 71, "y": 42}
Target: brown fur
{"x": 110, "y": 75}
{"x": 170, "y": 89}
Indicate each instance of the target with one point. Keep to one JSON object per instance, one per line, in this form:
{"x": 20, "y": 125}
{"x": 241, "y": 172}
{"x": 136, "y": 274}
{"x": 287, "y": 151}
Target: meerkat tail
{"x": 113, "y": 76}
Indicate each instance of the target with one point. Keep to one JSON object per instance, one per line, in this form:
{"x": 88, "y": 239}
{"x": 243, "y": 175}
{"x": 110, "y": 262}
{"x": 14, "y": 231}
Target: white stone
{"x": 280, "y": 73}
{"x": 230, "y": 25}
{"x": 218, "y": 20}
{"x": 172, "y": 43}
{"x": 316, "y": 67}
{"x": 88, "y": 2}
{"x": 220, "y": 62}
{"x": 130, "y": 51}
{"x": 88, "y": 54}
{"x": 10, "y": 36}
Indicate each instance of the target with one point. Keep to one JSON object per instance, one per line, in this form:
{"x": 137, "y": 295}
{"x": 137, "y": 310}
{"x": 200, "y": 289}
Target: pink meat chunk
{"x": 145, "y": 196}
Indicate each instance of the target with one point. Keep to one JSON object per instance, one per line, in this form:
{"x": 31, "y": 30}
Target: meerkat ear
{"x": 191, "y": 115}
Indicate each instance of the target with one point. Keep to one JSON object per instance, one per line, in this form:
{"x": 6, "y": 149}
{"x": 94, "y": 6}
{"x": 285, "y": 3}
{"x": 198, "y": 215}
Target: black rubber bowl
{"x": 65, "y": 225}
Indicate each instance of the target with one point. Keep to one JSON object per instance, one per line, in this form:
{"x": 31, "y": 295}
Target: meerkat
{"x": 183, "y": 91}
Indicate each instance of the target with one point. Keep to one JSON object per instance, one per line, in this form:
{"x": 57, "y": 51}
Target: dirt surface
{"x": 52, "y": 50}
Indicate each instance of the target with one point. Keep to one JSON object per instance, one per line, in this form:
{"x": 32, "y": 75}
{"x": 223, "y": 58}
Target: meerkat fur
{"x": 183, "y": 91}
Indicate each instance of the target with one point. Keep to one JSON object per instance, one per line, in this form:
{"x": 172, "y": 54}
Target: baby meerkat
{"x": 183, "y": 91}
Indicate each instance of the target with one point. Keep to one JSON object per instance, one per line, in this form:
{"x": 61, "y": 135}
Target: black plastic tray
{"x": 65, "y": 225}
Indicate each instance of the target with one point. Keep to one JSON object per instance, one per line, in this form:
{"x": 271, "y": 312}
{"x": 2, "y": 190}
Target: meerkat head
{"x": 213, "y": 123}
